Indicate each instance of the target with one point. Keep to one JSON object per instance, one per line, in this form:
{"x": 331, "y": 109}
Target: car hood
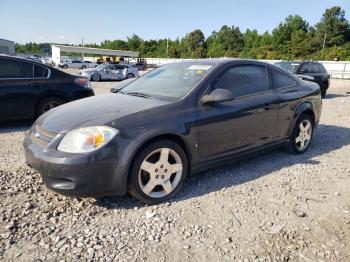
{"x": 97, "y": 110}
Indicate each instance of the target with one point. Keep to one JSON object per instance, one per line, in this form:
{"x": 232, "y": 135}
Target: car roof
{"x": 221, "y": 61}
{"x": 20, "y": 58}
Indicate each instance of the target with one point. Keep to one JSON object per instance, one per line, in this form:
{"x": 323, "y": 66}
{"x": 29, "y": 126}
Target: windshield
{"x": 169, "y": 81}
{"x": 289, "y": 66}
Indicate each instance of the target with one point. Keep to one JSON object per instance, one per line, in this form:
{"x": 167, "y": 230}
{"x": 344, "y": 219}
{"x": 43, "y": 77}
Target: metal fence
{"x": 337, "y": 69}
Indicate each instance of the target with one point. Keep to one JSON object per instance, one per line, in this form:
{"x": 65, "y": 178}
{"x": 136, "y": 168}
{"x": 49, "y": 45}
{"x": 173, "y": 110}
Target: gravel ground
{"x": 273, "y": 207}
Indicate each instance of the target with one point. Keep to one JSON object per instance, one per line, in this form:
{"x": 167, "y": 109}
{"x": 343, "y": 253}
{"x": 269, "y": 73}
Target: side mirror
{"x": 303, "y": 71}
{"x": 218, "y": 95}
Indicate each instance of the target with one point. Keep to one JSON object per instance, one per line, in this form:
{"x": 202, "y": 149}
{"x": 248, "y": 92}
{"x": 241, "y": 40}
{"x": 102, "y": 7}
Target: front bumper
{"x": 95, "y": 174}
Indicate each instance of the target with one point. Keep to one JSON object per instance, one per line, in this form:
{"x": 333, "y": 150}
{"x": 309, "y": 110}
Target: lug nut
{"x": 157, "y": 176}
{"x": 162, "y": 177}
{"x": 165, "y": 170}
{"x": 156, "y": 170}
{"x": 161, "y": 166}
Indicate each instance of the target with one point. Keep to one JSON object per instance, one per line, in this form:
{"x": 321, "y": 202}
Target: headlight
{"x": 86, "y": 139}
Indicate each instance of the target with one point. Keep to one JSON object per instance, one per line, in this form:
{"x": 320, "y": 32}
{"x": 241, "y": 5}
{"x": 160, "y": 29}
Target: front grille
{"x": 42, "y": 137}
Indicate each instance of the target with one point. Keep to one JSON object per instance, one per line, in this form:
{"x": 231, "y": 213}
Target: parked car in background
{"x": 73, "y": 64}
{"x": 140, "y": 66}
{"x": 36, "y": 58}
{"x": 178, "y": 119}
{"x": 109, "y": 71}
{"x": 29, "y": 89}
{"x": 90, "y": 64}
{"x": 309, "y": 71}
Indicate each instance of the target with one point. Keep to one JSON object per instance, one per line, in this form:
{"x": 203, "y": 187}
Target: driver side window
{"x": 243, "y": 80}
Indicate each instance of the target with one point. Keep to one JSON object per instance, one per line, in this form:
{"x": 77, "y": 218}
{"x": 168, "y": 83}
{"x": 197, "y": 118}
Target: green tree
{"x": 227, "y": 42}
{"x": 334, "y": 26}
{"x": 282, "y": 35}
{"x": 194, "y": 45}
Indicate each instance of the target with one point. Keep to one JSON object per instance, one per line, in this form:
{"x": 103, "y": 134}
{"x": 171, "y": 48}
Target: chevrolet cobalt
{"x": 178, "y": 119}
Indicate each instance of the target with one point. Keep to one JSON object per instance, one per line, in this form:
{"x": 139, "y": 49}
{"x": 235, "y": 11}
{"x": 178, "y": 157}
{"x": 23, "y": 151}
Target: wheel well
{"x": 174, "y": 138}
{"x": 48, "y": 96}
{"x": 310, "y": 113}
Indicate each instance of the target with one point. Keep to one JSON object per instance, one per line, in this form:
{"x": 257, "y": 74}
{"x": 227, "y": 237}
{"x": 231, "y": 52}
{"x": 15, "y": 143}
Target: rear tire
{"x": 323, "y": 90}
{"x": 65, "y": 66}
{"x": 95, "y": 77}
{"x": 130, "y": 75}
{"x": 302, "y": 135}
{"x": 158, "y": 172}
{"x": 47, "y": 104}
{"x": 83, "y": 67}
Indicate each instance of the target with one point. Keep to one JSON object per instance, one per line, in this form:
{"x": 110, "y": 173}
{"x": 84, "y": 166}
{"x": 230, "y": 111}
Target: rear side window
{"x": 316, "y": 68}
{"x": 281, "y": 80}
{"x": 15, "y": 69}
{"x": 40, "y": 71}
{"x": 243, "y": 80}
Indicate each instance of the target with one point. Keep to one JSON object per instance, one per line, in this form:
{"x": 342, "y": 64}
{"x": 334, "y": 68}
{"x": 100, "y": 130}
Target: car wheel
{"x": 323, "y": 90}
{"x": 95, "y": 77}
{"x": 47, "y": 104}
{"x": 158, "y": 172}
{"x": 302, "y": 134}
{"x": 65, "y": 66}
{"x": 130, "y": 76}
{"x": 83, "y": 67}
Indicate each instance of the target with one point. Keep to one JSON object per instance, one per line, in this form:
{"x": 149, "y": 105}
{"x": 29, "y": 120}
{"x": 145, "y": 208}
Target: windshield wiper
{"x": 137, "y": 94}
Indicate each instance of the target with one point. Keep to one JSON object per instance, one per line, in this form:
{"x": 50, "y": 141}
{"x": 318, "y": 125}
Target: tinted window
{"x": 15, "y": 69}
{"x": 316, "y": 68}
{"x": 243, "y": 80}
{"x": 305, "y": 68}
{"x": 40, "y": 71}
{"x": 280, "y": 80}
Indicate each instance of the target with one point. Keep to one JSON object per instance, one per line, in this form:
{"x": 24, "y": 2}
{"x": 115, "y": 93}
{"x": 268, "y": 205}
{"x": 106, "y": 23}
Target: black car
{"x": 175, "y": 120}
{"x": 309, "y": 71}
{"x": 140, "y": 66}
{"x": 29, "y": 89}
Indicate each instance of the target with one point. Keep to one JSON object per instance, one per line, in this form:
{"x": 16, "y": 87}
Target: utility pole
{"x": 82, "y": 54}
{"x": 167, "y": 47}
{"x": 324, "y": 43}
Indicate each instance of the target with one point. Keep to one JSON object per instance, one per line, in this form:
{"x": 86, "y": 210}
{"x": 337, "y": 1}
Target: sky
{"x": 68, "y": 21}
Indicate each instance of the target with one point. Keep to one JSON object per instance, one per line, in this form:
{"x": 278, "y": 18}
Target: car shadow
{"x": 331, "y": 96}
{"x": 327, "y": 138}
{"x": 15, "y": 126}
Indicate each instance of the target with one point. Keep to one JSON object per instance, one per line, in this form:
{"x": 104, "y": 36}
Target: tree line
{"x": 292, "y": 39}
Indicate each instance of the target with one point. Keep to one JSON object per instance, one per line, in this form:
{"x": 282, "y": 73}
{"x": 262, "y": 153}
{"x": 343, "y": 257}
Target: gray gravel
{"x": 273, "y": 207}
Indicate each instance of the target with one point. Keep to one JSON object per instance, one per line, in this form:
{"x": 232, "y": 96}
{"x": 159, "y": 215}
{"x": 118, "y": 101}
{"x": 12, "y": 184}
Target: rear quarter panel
{"x": 293, "y": 101}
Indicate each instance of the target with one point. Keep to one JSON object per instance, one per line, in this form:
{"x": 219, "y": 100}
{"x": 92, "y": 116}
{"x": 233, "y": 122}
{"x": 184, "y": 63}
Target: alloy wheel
{"x": 48, "y": 106}
{"x": 303, "y": 139}
{"x": 160, "y": 172}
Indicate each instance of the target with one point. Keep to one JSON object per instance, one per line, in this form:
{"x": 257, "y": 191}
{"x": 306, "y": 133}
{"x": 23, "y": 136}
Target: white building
{"x": 7, "y": 47}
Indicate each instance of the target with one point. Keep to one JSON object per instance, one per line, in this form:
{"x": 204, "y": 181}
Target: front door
{"x": 248, "y": 121}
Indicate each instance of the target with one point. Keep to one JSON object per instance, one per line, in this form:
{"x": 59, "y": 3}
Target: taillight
{"x": 82, "y": 81}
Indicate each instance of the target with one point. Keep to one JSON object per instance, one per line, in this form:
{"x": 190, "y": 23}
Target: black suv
{"x": 314, "y": 71}
{"x": 29, "y": 89}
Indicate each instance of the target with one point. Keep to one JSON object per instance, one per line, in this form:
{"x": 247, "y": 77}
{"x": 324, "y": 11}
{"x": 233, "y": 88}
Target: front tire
{"x": 158, "y": 172}
{"x": 302, "y": 134}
